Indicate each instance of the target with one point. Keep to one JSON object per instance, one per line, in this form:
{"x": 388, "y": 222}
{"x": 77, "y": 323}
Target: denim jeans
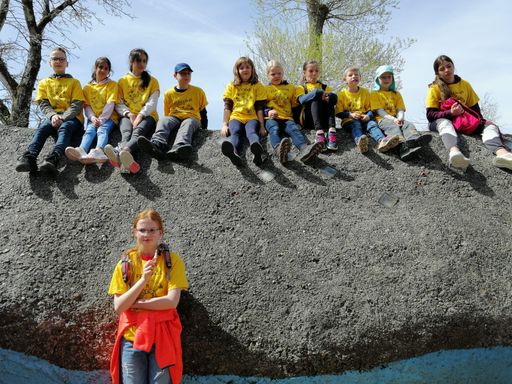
{"x": 64, "y": 133}
{"x": 168, "y": 124}
{"x": 103, "y": 131}
{"x": 356, "y": 128}
{"x": 275, "y": 127}
{"x": 140, "y": 367}
{"x": 250, "y": 128}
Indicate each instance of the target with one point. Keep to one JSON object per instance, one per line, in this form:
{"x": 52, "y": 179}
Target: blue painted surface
{"x": 489, "y": 365}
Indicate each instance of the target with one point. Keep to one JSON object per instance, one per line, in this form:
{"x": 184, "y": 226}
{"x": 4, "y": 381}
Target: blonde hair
{"x": 238, "y": 80}
{"x": 273, "y": 63}
{"x": 148, "y": 214}
{"x": 351, "y": 68}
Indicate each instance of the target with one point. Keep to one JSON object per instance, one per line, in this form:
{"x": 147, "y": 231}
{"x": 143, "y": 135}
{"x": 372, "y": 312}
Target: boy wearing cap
{"x": 184, "y": 111}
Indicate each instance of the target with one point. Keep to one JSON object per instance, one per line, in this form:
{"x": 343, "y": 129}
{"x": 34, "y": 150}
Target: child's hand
{"x": 56, "y": 121}
{"x": 148, "y": 270}
{"x": 325, "y": 97}
{"x": 299, "y": 126}
{"x": 225, "y": 130}
{"x": 456, "y": 109}
{"x": 355, "y": 116}
{"x": 365, "y": 118}
{"x": 263, "y": 131}
{"x": 137, "y": 120}
{"x": 398, "y": 121}
{"x": 131, "y": 116}
{"x": 95, "y": 121}
{"x": 273, "y": 114}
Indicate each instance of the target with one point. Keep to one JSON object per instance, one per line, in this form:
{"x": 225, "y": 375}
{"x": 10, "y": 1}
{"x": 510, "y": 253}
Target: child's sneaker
{"x": 458, "y": 160}
{"x": 283, "y": 148}
{"x": 389, "y": 142}
{"x": 113, "y": 155}
{"x": 503, "y": 161}
{"x": 128, "y": 162}
{"x": 74, "y": 154}
{"x": 362, "y": 143}
{"x": 309, "y": 151}
{"x": 407, "y": 153}
{"x": 229, "y": 151}
{"x": 150, "y": 147}
{"x": 51, "y": 163}
{"x": 94, "y": 156}
{"x": 27, "y": 163}
{"x": 332, "y": 144}
{"x": 180, "y": 152}
{"x": 257, "y": 153}
{"x": 417, "y": 140}
{"x": 320, "y": 138}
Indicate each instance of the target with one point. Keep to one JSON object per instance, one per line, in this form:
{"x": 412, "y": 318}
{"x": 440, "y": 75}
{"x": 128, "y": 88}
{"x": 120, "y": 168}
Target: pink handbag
{"x": 466, "y": 122}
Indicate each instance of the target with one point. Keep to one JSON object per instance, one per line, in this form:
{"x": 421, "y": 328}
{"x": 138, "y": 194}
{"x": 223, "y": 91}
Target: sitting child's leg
{"x": 272, "y": 127}
{"x": 64, "y": 134}
{"x": 356, "y": 130}
{"x": 412, "y": 136}
{"x": 251, "y": 130}
{"x": 385, "y": 142}
{"x": 182, "y": 148}
{"x": 28, "y": 161}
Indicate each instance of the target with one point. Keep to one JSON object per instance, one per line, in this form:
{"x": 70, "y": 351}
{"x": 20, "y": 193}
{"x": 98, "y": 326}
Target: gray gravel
{"x": 301, "y": 275}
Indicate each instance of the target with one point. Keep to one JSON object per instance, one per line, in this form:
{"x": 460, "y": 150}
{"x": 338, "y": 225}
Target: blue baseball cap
{"x": 181, "y": 66}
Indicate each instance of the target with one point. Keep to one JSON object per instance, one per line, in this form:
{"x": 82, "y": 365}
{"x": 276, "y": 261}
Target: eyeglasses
{"x": 148, "y": 231}
{"x": 58, "y": 59}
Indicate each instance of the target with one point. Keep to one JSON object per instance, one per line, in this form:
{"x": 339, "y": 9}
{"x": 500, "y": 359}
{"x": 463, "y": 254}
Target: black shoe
{"x": 257, "y": 153}
{"x": 407, "y": 153}
{"x": 417, "y": 140}
{"x": 283, "y": 148}
{"x": 150, "y": 147}
{"x": 180, "y": 152}
{"x": 28, "y": 162}
{"x": 309, "y": 151}
{"x": 229, "y": 150}
{"x": 51, "y": 163}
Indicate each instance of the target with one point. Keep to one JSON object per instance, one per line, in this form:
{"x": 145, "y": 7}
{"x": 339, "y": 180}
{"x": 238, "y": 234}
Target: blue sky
{"x": 210, "y": 36}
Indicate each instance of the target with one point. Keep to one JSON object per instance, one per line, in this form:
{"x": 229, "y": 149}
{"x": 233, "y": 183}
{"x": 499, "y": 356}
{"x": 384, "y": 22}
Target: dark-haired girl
{"x": 448, "y": 85}
{"x": 100, "y": 99}
{"x": 139, "y": 94}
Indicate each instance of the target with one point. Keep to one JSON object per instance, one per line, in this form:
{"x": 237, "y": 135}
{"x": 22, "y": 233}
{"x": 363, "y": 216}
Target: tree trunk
{"x": 317, "y": 16}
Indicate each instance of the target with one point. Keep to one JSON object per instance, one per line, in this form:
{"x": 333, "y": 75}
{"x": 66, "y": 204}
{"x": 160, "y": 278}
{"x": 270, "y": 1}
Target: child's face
{"x": 58, "y": 62}
{"x": 352, "y": 78}
{"x": 139, "y": 64}
{"x": 245, "y": 71}
{"x": 102, "y": 71}
{"x": 446, "y": 71}
{"x": 147, "y": 240}
{"x": 275, "y": 75}
{"x": 183, "y": 77}
{"x": 385, "y": 80}
{"x": 311, "y": 73}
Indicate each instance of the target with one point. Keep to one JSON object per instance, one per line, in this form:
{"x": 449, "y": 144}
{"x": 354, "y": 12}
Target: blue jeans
{"x": 250, "y": 128}
{"x": 274, "y": 128}
{"x": 356, "y": 128}
{"x": 102, "y": 131}
{"x": 140, "y": 367}
{"x": 64, "y": 133}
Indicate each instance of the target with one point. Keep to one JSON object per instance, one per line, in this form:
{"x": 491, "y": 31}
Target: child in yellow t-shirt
{"x": 100, "y": 99}
{"x": 389, "y": 107}
{"x": 139, "y": 94}
{"x": 354, "y": 108}
{"x": 60, "y": 98}
{"x": 244, "y": 101}
{"x": 185, "y": 112}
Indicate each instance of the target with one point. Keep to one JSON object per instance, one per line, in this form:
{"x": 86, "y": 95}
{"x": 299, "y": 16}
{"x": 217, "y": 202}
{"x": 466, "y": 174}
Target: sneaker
{"x": 503, "y": 161}
{"x": 417, "y": 140}
{"x": 283, "y": 148}
{"x": 458, "y": 160}
{"x": 94, "y": 156}
{"x": 150, "y": 147}
{"x": 257, "y": 153}
{"x": 389, "y": 142}
{"x": 51, "y": 163}
{"x": 331, "y": 144}
{"x": 407, "y": 153}
{"x": 75, "y": 154}
{"x": 179, "y": 152}
{"x": 128, "y": 162}
{"x": 27, "y": 163}
{"x": 362, "y": 143}
{"x": 113, "y": 155}
{"x": 320, "y": 138}
{"x": 229, "y": 150}
{"x": 309, "y": 151}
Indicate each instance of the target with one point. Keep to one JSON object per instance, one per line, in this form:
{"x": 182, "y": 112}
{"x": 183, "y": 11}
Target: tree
{"x": 490, "y": 108}
{"x": 33, "y": 25}
{"x": 337, "y": 33}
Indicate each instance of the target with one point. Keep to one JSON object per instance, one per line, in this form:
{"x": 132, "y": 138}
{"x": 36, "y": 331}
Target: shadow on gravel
{"x": 98, "y": 173}
{"x": 143, "y": 184}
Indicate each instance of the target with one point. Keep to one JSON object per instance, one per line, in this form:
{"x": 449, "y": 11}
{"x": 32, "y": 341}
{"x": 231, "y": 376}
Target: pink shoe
{"x": 128, "y": 162}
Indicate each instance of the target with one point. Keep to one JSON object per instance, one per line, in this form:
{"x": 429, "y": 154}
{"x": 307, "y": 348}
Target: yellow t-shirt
{"x": 281, "y": 98}
{"x": 358, "y": 102}
{"x": 388, "y": 100}
{"x": 244, "y": 96}
{"x": 157, "y": 286}
{"x": 97, "y": 95}
{"x": 60, "y": 93}
{"x": 185, "y": 104}
{"x": 461, "y": 91}
{"x": 135, "y": 97}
